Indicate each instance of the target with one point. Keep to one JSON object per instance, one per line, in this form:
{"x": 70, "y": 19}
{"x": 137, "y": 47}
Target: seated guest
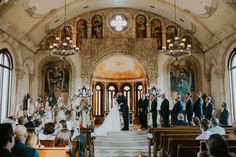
{"x": 224, "y": 116}
{"x": 32, "y": 141}
{"x": 21, "y": 120}
{"x": 30, "y": 123}
{"x": 20, "y": 149}
{"x": 38, "y": 126}
{"x": 195, "y": 121}
{"x": 204, "y": 126}
{"x": 232, "y": 136}
{"x": 63, "y": 140}
{"x": 180, "y": 120}
{"x": 7, "y": 140}
{"x": 48, "y": 131}
{"x": 215, "y": 128}
{"x": 61, "y": 125}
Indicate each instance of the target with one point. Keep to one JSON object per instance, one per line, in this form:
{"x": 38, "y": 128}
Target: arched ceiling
{"x": 28, "y": 21}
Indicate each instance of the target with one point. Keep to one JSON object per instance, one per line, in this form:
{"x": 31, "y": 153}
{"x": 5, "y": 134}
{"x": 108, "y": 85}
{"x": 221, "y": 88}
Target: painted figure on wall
{"x": 182, "y": 80}
{"x": 56, "y": 79}
{"x": 156, "y": 31}
{"x": 82, "y": 31}
{"x": 141, "y": 26}
{"x": 97, "y": 27}
{"x": 66, "y": 32}
{"x": 171, "y": 32}
{"x": 50, "y": 40}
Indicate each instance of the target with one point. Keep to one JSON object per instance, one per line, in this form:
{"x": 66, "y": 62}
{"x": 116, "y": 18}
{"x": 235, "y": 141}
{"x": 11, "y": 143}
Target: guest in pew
{"x": 204, "y": 127}
{"x": 232, "y": 136}
{"x": 22, "y": 120}
{"x": 195, "y": 121}
{"x": 215, "y": 128}
{"x": 217, "y": 147}
{"x": 30, "y": 123}
{"x": 189, "y": 107}
{"x": 61, "y": 125}
{"x": 47, "y": 133}
{"x": 32, "y": 141}
{"x": 181, "y": 120}
{"x": 178, "y": 108}
{"x": 63, "y": 139}
{"x": 20, "y": 149}
{"x": 7, "y": 140}
{"x": 198, "y": 106}
{"x": 165, "y": 110}
{"x": 224, "y": 116}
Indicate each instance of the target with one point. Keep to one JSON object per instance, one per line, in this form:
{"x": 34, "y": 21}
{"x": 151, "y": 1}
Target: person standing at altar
{"x": 48, "y": 111}
{"x": 125, "y": 109}
{"x": 189, "y": 107}
{"x": 153, "y": 110}
{"x": 20, "y": 112}
{"x": 209, "y": 108}
{"x": 30, "y": 107}
{"x": 198, "y": 106}
{"x": 39, "y": 103}
{"x": 165, "y": 110}
{"x": 177, "y": 109}
{"x": 60, "y": 114}
{"x": 143, "y": 104}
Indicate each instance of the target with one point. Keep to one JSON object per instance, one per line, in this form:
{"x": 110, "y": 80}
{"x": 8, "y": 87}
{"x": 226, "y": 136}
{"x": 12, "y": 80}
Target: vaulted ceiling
{"x": 28, "y": 21}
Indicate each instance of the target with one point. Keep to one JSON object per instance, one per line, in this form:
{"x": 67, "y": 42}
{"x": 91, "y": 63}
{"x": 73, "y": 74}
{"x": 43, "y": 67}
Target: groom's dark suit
{"x": 125, "y": 111}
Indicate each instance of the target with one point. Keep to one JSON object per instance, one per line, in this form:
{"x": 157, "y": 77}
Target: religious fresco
{"x": 156, "y": 31}
{"x": 119, "y": 67}
{"x": 171, "y": 32}
{"x": 141, "y": 26}
{"x": 57, "y": 78}
{"x": 82, "y": 31}
{"x": 66, "y": 32}
{"x": 182, "y": 78}
{"x": 97, "y": 26}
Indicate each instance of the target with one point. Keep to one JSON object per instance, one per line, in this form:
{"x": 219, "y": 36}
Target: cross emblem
{"x": 118, "y": 23}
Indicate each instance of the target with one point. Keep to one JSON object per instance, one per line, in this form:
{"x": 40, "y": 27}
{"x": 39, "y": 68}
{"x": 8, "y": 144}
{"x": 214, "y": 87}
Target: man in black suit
{"x": 20, "y": 149}
{"x": 177, "y": 109}
{"x": 189, "y": 107}
{"x": 124, "y": 109}
{"x": 7, "y": 140}
{"x": 209, "y": 108}
{"x": 224, "y": 116}
{"x": 143, "y": 105}
{"x": 165, "y": 110}
{"x": 198, "y": 106}
{"x": 153, "y": 110}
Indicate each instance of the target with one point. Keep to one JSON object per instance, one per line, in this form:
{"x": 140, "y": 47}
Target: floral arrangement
{"x": 39, "y": 112}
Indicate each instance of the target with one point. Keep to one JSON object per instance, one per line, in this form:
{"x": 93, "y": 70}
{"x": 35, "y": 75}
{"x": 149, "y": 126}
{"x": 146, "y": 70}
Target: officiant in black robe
{"x": 143, "y": 104}
{"x": 124, "y": 109}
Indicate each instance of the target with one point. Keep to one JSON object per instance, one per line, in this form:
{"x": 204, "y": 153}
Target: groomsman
{"x": 143, "y": 106}
{"x": 153, "y": 110}
{"x": 224, "y": 116}
{"x": 189, "y": 107}
{"x": 165, "y": 110}
{"x": 209, "y": 108}
{"x": 198, "y": 106}
{"x": 177, "y": 109}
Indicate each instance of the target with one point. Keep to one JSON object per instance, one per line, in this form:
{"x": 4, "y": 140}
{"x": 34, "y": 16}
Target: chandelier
{"x": 177, "y": 47}
{"x": 64, "y": 47}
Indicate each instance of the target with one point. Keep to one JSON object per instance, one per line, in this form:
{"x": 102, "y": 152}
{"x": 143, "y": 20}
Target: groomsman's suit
{"x": 178, "y": 108}
{"x": 125, "y": 110}
{"x": 143, "y": 104}
{"x": 165, "y": 112}
{"x": 198, "y": 107}
{"x": 154, "y": 111}
{"x": 189, "y": 110}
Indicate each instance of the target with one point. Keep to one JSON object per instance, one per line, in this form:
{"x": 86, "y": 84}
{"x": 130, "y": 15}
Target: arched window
{"x": 5, "y": 82}
{"x": 111, "y": 92}
{"x": 232, "y": 69}
{"x": 127, "y": 93}
{"x": 98, "y": 99}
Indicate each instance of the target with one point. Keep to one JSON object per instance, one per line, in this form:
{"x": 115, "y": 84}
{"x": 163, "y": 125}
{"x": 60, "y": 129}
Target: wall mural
{"x": 156, "y": 31}
{"x": 66, "y": 32}
{"x": 182, "y": 77}
{"x": 82, "y": 31}
{"x": 119, "y": 67}
{"x": 57, "y": 78}
{"x": 141, "y": 26}
{"x": 97, "y": 23}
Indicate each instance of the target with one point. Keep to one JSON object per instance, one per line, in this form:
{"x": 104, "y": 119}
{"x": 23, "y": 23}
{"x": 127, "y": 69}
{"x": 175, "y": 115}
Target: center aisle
{"x": 122, "y": 144}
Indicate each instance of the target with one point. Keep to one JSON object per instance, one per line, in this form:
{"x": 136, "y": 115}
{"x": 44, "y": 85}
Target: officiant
{"x": 143, "y": 104}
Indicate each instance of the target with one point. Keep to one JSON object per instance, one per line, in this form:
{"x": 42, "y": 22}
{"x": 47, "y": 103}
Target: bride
{"x": 111, "y": 122}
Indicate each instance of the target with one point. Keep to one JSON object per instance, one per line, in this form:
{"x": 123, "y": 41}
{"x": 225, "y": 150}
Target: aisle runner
{"x": 123, "y": 144}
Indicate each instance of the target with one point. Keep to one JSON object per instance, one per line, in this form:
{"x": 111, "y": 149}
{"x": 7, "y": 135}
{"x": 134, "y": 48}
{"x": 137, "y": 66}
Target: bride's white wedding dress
{"x": 111, "y": 122}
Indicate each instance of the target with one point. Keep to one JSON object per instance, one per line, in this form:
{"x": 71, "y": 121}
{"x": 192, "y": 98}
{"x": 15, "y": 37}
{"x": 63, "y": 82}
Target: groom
{"x": 124, "y": 109}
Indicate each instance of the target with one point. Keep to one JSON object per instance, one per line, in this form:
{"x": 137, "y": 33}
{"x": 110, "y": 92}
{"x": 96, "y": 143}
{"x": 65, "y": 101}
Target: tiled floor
{"x": 131, "y": 143}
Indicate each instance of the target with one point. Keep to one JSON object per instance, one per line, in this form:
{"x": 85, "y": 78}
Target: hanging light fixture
{"x": 177, "y": 47}
{"x": 64, "y": 47}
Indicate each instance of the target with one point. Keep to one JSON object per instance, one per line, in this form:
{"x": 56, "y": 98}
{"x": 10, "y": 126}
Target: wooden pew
{"x": 191, "y": 151}
{"x": 49, "y": 143}
{"x": 53, "y": 152}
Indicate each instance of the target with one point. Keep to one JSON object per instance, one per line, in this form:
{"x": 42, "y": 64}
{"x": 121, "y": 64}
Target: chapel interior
{"x": 120, "y": 45}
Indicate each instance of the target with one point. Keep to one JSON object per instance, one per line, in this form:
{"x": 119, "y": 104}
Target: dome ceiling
{"x": 28, "y": 21}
